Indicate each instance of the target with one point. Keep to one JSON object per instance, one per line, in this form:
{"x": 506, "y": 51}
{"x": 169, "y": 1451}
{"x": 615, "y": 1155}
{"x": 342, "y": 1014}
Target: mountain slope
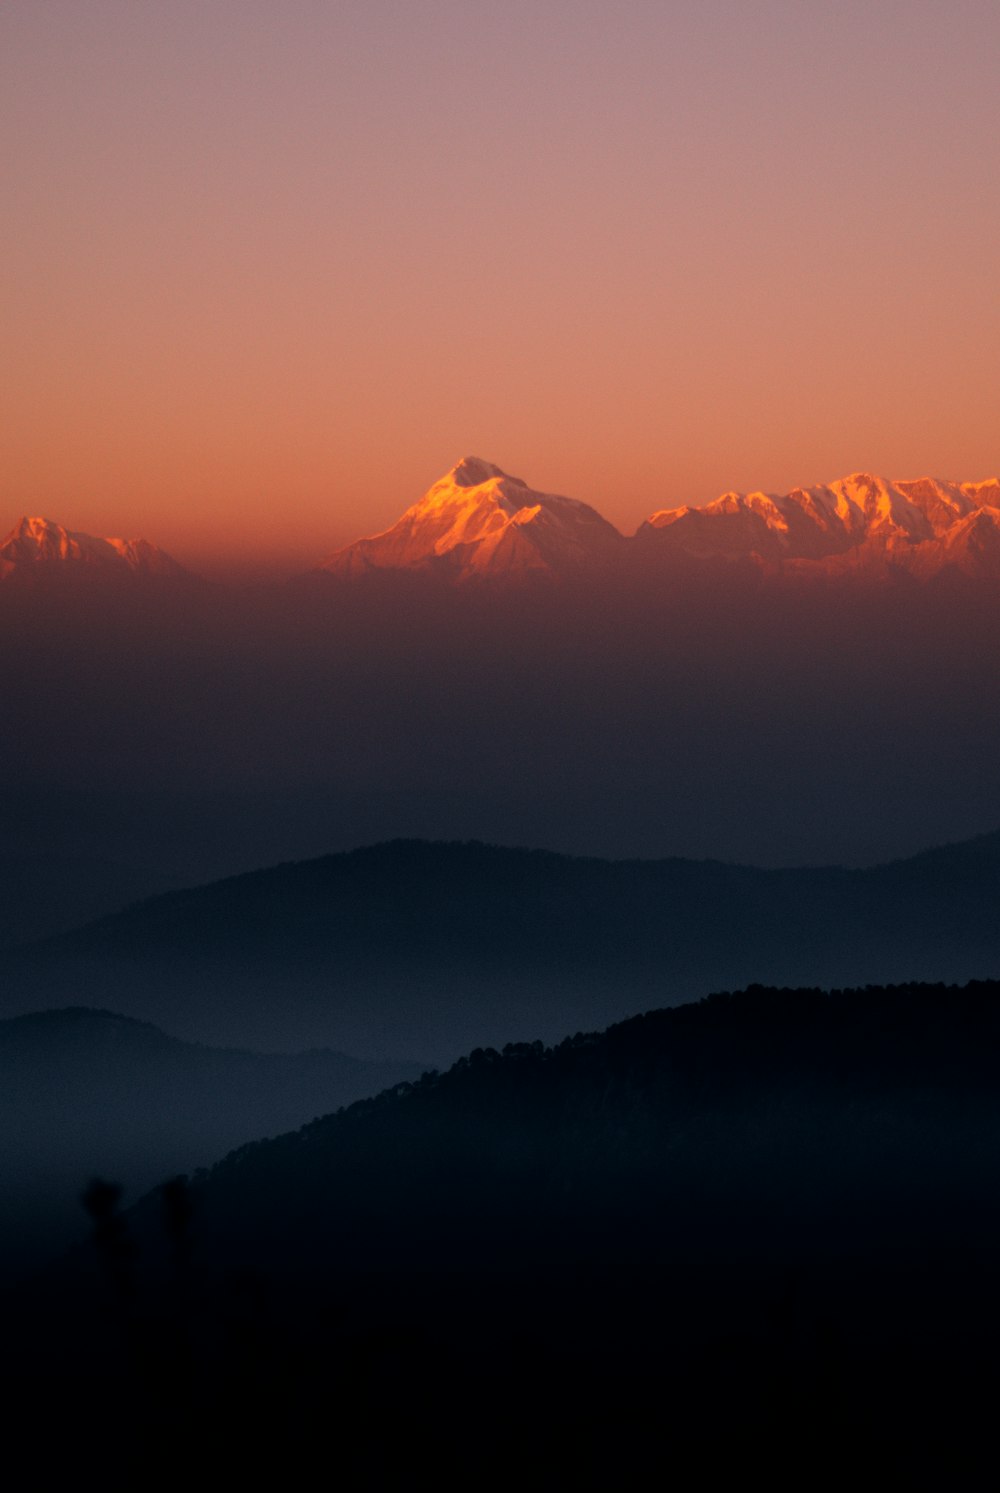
{"x": 645, "y": 1104}
{"x": 478, "y": 523}
{"x": 421, "y": 950}
{"x": 703, "y": 1234}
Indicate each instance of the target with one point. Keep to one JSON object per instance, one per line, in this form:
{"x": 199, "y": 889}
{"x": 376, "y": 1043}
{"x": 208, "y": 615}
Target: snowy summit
{"x": 479, "y": 523}
{"x": 37, "y": 547}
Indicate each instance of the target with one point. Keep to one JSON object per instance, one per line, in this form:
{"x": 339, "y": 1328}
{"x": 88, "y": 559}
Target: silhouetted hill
{"x": 714, "y": 1234}
{"x": 422, "y": 949}
{"x": 885, "y": 1096}
{"x": 87, "y": 1092}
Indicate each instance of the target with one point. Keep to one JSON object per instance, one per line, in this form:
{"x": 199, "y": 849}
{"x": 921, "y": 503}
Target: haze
{"x": 270, "y": 270}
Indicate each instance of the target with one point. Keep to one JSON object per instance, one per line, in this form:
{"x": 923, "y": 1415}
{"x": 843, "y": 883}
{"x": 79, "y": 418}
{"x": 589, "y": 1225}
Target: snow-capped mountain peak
{"x": 477, "y": 522}
{"x": 861, "y": 522}
{"x": 38, "y": 546}
{"x": 472, "y": 471}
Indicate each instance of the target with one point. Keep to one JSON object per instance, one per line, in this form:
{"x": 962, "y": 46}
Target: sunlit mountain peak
{"x": 479, "y": 523}
{"x": 472, "y": 471}
{"x": 859, "y": 524}
{"x": 39, "y": 546}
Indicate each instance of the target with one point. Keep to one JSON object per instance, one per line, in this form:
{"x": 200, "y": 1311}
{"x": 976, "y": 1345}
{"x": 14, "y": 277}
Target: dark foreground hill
{"x": 87, "y": 1092}
{"x": 422, "y": 950}
{"x": 756, "y": 1235}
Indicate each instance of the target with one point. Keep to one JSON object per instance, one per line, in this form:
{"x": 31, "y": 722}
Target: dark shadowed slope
{"x": 886, "y": 1094}
{"x": 421, "y": 949}
{"x": 86, "y": 1092}
{"x": 728, "y": 1230}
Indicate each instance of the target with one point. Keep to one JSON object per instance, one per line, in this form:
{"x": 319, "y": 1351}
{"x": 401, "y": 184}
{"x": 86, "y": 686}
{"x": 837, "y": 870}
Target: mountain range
{"x": 478, "y": 524}
{"x": 37, "y": 549}
{"x": 420, "y": 950}
{"x": 860, "y": 524}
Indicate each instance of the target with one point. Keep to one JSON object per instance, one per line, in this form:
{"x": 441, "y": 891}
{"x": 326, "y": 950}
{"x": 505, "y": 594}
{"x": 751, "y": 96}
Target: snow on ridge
{"x": 908, "y": 523}
{"x": 478, "y": 522}
{"x": 40, "y": 544}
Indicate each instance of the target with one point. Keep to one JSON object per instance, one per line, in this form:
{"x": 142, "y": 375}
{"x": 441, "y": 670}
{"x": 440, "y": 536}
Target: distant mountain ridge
{"x": 37, "y": 548}
{"x": 418, "y": 949}
{"x": 859, "y": 523}
{"x": 477, "y": 523}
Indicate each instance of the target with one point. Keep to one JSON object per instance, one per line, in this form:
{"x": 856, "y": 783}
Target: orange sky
{"x": 270, "y": 270}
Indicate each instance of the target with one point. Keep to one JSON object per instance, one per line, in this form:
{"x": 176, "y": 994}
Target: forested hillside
{"x": 702, "y": 1233}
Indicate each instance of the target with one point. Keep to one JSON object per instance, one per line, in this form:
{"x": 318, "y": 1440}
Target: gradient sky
{"x": 269, "y": 269}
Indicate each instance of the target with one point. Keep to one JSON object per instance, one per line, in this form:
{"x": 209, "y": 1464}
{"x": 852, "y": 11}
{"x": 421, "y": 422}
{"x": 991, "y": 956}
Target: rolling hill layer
{"x": 421, "y": 950}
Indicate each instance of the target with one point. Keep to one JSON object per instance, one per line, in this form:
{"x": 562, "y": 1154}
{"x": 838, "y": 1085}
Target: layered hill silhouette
{"x": 419, "y": 950}
{"x": 732, "y": 1229}
{"x": 87, "y": 1092}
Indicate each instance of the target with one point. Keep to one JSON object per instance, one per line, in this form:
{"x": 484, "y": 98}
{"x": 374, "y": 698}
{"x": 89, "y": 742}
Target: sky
{"x": 270, "y": 270}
